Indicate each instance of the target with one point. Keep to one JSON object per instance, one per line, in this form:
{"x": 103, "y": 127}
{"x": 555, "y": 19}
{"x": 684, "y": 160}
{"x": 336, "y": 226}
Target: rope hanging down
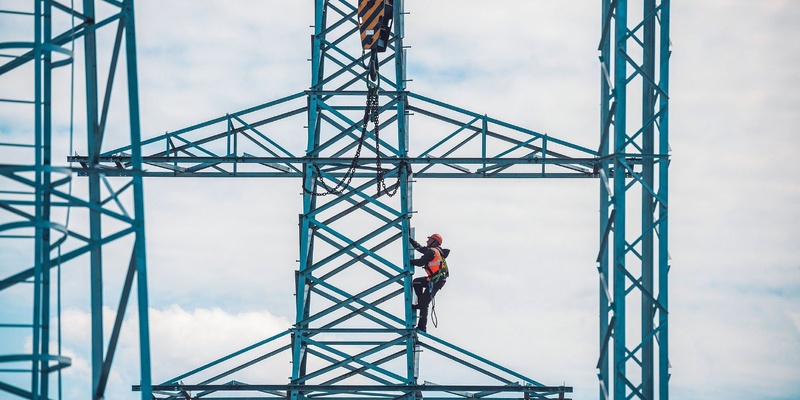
{"x": 371, "y": 113}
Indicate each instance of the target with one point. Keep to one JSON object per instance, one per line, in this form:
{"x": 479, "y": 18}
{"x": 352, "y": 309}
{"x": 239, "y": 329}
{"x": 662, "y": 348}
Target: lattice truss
{"x": 634, "y": 258}
{"x": 50, "y": 225}
{"x": 354, "y": 335}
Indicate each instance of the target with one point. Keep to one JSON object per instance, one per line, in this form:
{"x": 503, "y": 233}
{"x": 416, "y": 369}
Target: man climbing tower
{"x": 433, "y": 261}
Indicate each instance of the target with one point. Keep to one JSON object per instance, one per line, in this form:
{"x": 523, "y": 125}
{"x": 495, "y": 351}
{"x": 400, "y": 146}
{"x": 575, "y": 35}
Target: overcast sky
{"x": 222, "y": 253}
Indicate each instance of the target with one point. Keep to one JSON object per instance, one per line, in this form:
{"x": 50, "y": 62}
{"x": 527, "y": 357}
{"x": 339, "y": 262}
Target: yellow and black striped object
{"x": 375, "y": 22}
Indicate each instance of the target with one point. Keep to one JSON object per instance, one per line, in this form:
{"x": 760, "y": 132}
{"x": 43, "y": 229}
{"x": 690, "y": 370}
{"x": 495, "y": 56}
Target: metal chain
{"x": 351, "y": 171}
{"x": 371, "y": 113}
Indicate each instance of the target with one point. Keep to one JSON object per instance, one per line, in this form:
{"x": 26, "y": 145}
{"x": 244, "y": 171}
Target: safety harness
{"x": 437, "y": 268}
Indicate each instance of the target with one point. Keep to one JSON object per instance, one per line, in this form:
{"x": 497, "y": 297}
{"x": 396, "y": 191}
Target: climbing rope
{"x": 434, "y": 318}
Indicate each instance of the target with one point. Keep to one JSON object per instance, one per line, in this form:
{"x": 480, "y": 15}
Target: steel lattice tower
{"x": 35, "y": 192}
{"x": 353, "y": 335}
{"x": 634, "y": 154}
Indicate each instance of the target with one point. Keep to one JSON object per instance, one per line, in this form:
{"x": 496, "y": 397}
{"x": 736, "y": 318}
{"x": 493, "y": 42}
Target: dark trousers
{"x": 425, "y": 292}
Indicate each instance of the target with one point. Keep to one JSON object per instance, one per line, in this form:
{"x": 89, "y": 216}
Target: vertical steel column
{"x": 638, "y": 370}
{"x": 663, "y": 211}
{"x": 93, "y": 147}
{"x": 139, "y": 250}
{"x": 618, "y": 203}
{"x": 45, "y": 211}
{"x": 39, "y": 222}
{"x": 606, "y": 118}
{"x": 406, "y": 205}
{"x": 648, "y": 98}
{"x": 302, "y": 291}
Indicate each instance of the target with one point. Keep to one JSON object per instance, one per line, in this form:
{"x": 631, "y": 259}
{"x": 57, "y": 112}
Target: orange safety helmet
{"x": 436, "y": 237}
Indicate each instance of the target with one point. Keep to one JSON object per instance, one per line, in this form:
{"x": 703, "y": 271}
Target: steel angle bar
{"x": 346, "y": 67}
{"x": 188, "y": 144}
{"x": 652, "y": 120}
{"x": 359, "y": 358}
{"x": 606, "y": 25}
{"x": 498, "y": 168}
{"x": 353, "y": 370}
{"x": 354, "y": 257}
{"x": 345, "y": 362}
{"x": 479, "y": 358}
{"x": 609, "y": 120}
{"x": 74, "y": 201}
{"x": 362, "y": 206}
{"x": 28, "y": 273}
{"x": 262, "y": 136}
{"x": 651, "y": 15}
{"x": 228, "y": 357}
{"x": 79, "y": 31}
{"x": 359, "y": 76}
{"x": 465, "y": 363}
{"x": 113, "y": 195}
{"x": 641, "y": 181}
{"x": 357, "y": 389}
{"x": 357, "y": 243}
{"x": 524, "y": 144}
{"x": 348, "y": 196}
{"x": 650, "y": 336}
{"x": 286, "y": 168}
{"x": 247, "y": 364}
{"x": 606, "y": 232}
{"x": 634, "y": 389}
{"x": 343, "y": 36}
{"x": 448, "y": 137}
{"x": 314, "y": 281}
{"x": 489, "y": 133}
{"x": 69, "y": 10}
{"x": 115, "y": 331}
{"x": 629, "y": 355}
{"x": 363, "y": 370}
{"x": 503, "y": 124}
{"x": 639, "y": 286}
{"x": 509, "y": 175}
{"x": 101, "y": 128}
{"x": 346, "y": 17}
{"x": 606, "y": 338}
{"x": 354, "y": 310}
{"x": 6, "y": 387}
{"x": 178, "y": 134}
{"x": 352, "y": 126}
{"x": 344, "y": 132}
{"x": 352, "y": 298}
{"x": 651, "y": 228}
{"x": 454, "y": 149}
{"x": 361, "y": 310}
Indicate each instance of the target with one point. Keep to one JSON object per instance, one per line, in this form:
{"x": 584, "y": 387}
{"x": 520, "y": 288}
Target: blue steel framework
{"x": 634, "y": 261}
{"x": 35, "y": 195}
{"x": 353, "y": 280}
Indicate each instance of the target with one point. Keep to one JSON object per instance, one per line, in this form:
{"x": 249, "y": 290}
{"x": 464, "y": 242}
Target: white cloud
{"x": 180, "y": 341}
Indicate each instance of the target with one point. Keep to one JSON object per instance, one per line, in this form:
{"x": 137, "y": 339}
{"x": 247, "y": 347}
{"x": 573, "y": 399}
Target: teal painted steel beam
{"x": 634, "y": 364}
{"x": 139, "y": 248}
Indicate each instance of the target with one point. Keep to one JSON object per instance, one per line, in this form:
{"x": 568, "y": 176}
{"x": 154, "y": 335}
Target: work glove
{"x": 413, "y": 242}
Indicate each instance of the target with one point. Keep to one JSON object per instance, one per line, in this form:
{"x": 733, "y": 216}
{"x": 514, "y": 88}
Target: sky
{"x": 221, "y": 254}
